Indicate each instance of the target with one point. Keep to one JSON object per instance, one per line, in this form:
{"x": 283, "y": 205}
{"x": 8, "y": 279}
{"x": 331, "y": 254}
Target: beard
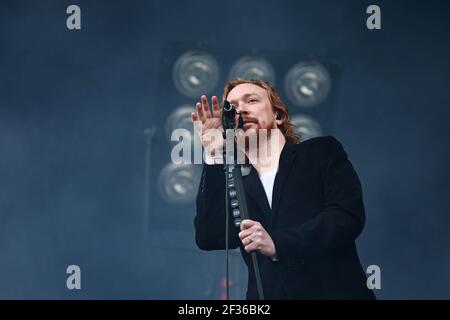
{"x": 254, "y": 139}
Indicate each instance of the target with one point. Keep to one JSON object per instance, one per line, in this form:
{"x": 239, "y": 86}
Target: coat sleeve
{"x": 339, "y": 223}
{"x": 209, "y": 221}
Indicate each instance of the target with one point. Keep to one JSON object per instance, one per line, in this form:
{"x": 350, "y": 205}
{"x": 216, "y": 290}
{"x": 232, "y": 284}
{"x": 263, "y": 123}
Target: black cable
{"x": 226, "y": 233}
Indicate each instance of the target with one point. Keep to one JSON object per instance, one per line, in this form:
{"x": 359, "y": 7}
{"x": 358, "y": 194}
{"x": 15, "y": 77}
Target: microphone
{"x": 229, "y": 117}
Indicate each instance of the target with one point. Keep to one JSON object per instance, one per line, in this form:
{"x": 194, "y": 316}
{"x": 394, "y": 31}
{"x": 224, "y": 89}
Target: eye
{"x": 252, "y": 100}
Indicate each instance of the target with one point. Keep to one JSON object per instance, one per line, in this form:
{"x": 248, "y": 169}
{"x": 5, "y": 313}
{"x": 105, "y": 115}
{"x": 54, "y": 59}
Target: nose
{"x": 241, "y": 108}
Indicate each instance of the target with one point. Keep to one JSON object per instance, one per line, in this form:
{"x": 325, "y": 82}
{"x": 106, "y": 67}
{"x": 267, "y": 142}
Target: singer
{"x": 304, "y": 201}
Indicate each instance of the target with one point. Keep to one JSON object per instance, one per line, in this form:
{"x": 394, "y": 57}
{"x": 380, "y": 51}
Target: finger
{"x": 215, "y": 106}
{"x": 200, "y": 113}
{"x": 253, "y": 246}
{"x": 247, "y": 223}
{"x": 194, "y": 117}
{"x": 245, "y": 233}
{"x": 255, "y": 237}
{"x": 205, "y": 106}
{"x": 253, "y": 232}
{"x": 246, "y": 241}
{"x": 197, "y": 123}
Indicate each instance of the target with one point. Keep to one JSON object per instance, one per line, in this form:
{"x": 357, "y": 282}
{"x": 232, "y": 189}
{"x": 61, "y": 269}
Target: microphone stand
{"x": 235, "y": 193}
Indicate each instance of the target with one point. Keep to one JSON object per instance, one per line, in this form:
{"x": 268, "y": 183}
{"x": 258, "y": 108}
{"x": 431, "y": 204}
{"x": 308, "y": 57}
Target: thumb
{"x": 246, "y": 224}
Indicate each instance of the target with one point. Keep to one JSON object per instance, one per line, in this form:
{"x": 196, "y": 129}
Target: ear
{"x": 278, "y": 119}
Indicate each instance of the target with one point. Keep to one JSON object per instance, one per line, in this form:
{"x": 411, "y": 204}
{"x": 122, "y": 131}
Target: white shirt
{"x": 267, "y": 180}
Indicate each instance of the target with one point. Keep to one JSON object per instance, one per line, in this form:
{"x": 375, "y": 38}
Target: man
{"x": 304, "y": 201}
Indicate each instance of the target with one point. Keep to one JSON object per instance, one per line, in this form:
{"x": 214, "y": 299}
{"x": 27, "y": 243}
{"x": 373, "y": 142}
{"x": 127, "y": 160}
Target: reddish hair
{"x": 278, "y": 106}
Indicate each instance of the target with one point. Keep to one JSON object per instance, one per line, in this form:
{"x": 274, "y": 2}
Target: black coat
{"x": 317, "y": 213}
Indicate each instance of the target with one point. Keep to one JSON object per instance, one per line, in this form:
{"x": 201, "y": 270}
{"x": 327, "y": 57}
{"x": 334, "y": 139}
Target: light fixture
{"x": 195, "y": 73}
{"x": 253, "y": 68}
{"x": 178, "y": 183}
{"x": 307, "y": 84}
{"x": 180, "y": 118}
{"x": 306, "y": 127}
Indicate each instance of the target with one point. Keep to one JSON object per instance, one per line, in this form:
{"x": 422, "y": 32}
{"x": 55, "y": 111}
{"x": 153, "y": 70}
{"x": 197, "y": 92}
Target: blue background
{"x": 74, "y": 106}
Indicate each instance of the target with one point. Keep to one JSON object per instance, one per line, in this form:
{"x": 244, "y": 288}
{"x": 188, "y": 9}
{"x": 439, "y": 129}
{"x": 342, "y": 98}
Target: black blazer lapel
{"x": 287, "y": 158}
{"x": 255, "y": 190}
